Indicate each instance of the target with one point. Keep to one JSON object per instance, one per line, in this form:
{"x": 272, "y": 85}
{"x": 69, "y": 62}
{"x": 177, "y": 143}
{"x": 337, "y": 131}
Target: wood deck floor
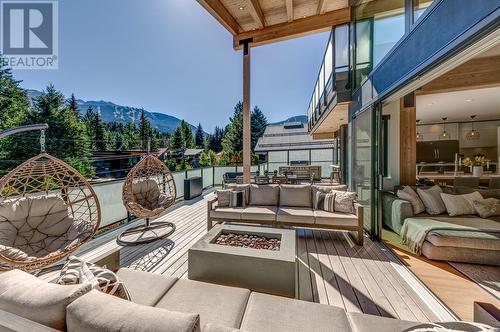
{"x": 332, "y": 269}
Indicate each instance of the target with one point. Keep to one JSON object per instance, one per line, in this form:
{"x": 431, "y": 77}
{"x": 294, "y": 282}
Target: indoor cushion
{"x": 77, "y": 271}
{"x": 226, "y": 213}
{"x": 236, "y": 186}
{"x": 216, "y": 304}
{"x": 459, "y": 205}
{"x": 324, "y": 189}
{"x": 295, "y": 215}
{"x": 408, "y": 194}
{"x": 335, "y": 219}
{"x": 486, "y": 208}
{"x": 264, "y": 213}
{"x": 139, "y": 283}
{"x": 432, "y": 200}
{"x": 464, "y": 239}
{"x": 267, "y": 194}
{"x": 458, "y": 254}
{"x": 295, "y": 195}
{"x": 37, "y": 300}
{"x": 344, "y": 201}
{"x": 219, "y": 328}
{"x": 97, "y": 311}
{"x": 279, "y": 314}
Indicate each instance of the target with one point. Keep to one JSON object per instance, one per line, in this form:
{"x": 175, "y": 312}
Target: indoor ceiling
{"x": 459, "y": 105}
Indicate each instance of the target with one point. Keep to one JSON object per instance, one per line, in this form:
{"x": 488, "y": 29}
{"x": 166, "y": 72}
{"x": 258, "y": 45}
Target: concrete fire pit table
{"x": 269, "y": 270}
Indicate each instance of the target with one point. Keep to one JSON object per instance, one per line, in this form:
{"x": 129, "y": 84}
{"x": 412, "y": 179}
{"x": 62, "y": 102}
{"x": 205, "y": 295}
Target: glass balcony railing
{"x": 332, "y": 85}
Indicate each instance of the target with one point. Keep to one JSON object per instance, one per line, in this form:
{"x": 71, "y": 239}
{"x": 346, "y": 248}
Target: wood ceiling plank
{"x": 221, "y": 14}
{"x": 296, "y": 28}
{"x": 256, "y": 11}
{"x": 289, "y": 10}
{"x": 322, "y": 7}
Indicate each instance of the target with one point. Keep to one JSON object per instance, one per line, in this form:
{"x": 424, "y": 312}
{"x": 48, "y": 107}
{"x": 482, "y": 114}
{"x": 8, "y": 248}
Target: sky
{"x": 173, "y": 57}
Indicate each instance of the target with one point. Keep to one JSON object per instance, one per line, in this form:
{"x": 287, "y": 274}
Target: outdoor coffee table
{"x": 270, "y": 270}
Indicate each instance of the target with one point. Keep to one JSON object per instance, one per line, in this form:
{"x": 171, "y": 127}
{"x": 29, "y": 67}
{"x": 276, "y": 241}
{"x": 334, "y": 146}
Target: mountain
{"x": 297, "y": 118}
{"x": 111, "y": 112}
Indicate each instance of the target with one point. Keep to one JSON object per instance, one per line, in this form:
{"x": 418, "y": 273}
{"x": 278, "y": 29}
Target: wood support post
{"x": 408, "y": 140}
{"x": 247, "y": 147}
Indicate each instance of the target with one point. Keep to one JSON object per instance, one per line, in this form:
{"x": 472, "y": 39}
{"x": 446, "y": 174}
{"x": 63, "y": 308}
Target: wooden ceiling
{"x": 267, "y": 21}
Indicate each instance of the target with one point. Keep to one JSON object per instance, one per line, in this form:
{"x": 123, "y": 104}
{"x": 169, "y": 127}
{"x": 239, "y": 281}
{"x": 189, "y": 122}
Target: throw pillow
{"x": 487, "y": 207}
{"x": 325, "y": 201}
{"x": 432, "y": 200}
{"x": 324, "y": 189}
{"x": 223, "y": 197}
{"x": 344, "y": 201}
{"x": 459, "y": 205}
{"x": 408, "y": 194}
{"x": 77, "y": 271}
{"x": 237, "y": 199}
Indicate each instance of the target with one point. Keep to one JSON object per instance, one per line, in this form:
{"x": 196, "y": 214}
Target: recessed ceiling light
{"x": 430, "y": 104}
{"x": 304, "y": 16}
{"x": 469, "y": 100}
{"x": 241, "y": 8}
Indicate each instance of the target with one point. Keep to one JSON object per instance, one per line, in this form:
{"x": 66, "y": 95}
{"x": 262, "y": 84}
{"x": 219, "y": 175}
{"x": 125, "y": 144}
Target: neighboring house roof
{"x": 193, "y": 152}
{"x": 289, "y": 136}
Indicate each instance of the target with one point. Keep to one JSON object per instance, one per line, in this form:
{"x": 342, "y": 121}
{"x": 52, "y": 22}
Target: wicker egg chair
{"x": 47, "y": 210}
{"x": 149, "y": 189}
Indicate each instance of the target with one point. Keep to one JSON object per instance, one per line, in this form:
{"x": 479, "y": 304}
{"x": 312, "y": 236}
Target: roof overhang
{"x": 331, "y": 121}
{"x": 268, "y": 21}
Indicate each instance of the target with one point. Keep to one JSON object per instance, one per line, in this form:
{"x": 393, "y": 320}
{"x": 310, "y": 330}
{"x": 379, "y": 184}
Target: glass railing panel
{"x": 208, "y": 177}
{"x": 219, "y": 173}
{"x": 193, "y": 173}
{"x": 179, "y": 182}
{"x": 110, "y": 200}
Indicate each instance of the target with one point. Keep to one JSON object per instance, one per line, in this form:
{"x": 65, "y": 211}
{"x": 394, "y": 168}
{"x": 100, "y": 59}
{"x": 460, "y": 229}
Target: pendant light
{"x": 472, "y": 134}
{"x": 420, "y": 137}
{"x": 444, "y": 134}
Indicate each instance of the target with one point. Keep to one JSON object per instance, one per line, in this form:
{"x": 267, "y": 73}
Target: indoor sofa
{"x": 177, "y": 305}
{"x": 286, "y": 205}
{"x": 477, "y": 247}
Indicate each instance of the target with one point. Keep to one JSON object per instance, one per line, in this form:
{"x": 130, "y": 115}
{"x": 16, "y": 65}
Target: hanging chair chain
{"x": 42, "y": 140}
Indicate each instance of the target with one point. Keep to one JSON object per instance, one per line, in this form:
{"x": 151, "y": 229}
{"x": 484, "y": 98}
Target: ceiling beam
{"x": 321, "y": 7}
{"x": 474, "y": 74}
{"x": 221, "y": 14}
{"x": 296, "y": 28}
{"x": 256, "y": 13}
{"x": 289, "y": 10}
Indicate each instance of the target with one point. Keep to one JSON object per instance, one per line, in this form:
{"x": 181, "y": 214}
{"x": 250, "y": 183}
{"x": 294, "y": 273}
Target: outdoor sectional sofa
{"x": 478, "y": 247}
{"x": 160, "y": 303}
{"x": 286, "y": 205}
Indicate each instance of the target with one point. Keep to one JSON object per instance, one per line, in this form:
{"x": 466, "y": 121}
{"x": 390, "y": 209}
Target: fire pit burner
{"x": 248, "y": 241}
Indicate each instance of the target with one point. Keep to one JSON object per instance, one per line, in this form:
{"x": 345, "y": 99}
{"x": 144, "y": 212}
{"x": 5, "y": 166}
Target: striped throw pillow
{"x": 77, "y": 271}
{"x": 237, "y": 199}
{"x": 325, "y": 201}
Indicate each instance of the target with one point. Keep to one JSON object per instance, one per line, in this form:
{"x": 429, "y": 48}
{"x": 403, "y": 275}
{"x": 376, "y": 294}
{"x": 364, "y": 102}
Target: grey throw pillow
{"x": 344, "y": 201}
{"x": 223, "y": 197}
{"x": 432, "y": 200}
{"x": 486, "y": 208}
{"x": 459, "y": 205}
{"x": 408, "y": 194}
{"x": 237, "y": 199}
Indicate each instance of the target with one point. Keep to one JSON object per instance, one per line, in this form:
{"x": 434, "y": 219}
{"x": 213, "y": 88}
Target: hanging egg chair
{"x": 149, "y": 189}
{"x": 47, "y": 211}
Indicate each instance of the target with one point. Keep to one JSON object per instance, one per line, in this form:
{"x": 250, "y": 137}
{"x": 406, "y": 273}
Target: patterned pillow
{"x": 237, "y": 199}
{"x": 459, "y": 205}
{"x": 408, "y": 194}
{"x": 487, "y": 207}
{"x": 223, "y": 197}
{"x": 77, "y": 271}
{"x": 325, "y": 201}
{"x": 344, "y": 201}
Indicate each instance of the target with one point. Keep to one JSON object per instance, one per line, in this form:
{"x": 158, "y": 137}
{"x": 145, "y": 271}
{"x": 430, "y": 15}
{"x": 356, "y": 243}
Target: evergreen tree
{"x": 214, "y": 141}
{"x": 233, "y": 137}
{"x": 145, "y": 131}
{"x": 177, "y": 141}
{"x": 200, "y": 137}
{"x": 73, "y": 105}
{"x": 258, "y": 125}
{"x": 99, "y": 132}
{"x": 187, "y": 135}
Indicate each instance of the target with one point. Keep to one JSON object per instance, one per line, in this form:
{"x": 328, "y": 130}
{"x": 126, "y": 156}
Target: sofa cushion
{"x": 408, "y": 194}
{"x": 489, "y": 207}
{"x": 274, "y": 313}
{"x": 267, "y": 194}
{"x": 458, "y": 254}
{"x": 223, "y": 197}
{"x": 37, "y": 300}
{"x": 226, "y": 213}
{"x": 219, "y": 328}
{"x": 464, "y": 239}
{"x": 295, "y": 215}
{"x": 335, "y": 218}
{"x": 344, "y": 201}
{"x": 262, "y": 213}
{"x": 432, "y": 200}
{"x": 244, "y": 187}
{"x": 324, "y": 189}
{"x": 97, "y": 311}
{"x": 139, "y": 283}
{"x": 325, "y": 201}
{"x": 216, "y": 304}
{"x": 295, "y": 195}
{"x": 459, "y": 205}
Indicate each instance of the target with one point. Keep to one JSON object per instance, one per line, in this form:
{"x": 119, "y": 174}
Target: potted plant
{"x": 476, "y": 164}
